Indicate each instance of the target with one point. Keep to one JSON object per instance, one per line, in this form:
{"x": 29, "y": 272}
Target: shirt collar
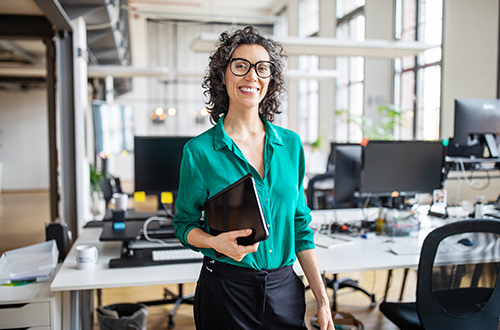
{"x": 221, "y": 139}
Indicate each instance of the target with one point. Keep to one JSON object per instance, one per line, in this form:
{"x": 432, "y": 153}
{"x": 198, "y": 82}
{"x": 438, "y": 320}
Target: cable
{"x": 468, "y": 180}
{"x": 366, "y": 203}
{"x": 145, "y": 230}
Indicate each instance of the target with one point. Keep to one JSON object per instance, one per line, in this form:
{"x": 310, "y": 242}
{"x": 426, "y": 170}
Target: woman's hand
{"x": 325, "y": 319}
{"x": 309, "y": 263}
{"x": 227, "y": 244}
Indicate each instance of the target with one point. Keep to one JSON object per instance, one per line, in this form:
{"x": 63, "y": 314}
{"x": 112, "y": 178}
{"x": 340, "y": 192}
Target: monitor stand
{"x": 167, "y": 210}
{"x": 397, "y": 203}
{"x": 491, "y": 143}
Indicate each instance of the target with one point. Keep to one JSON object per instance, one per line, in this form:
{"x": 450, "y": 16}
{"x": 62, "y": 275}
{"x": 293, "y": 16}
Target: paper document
{"x": 329, "y": 241}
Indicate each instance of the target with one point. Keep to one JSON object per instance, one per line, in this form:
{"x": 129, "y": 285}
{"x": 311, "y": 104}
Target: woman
{"x": 254, "y": 286}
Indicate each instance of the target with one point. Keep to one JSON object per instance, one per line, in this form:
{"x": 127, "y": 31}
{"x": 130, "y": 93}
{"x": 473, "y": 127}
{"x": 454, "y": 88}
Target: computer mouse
{"x": 466, "y": 242}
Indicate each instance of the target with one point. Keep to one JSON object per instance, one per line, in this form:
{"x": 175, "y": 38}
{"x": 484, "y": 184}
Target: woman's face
{"x": 246, "y": 92}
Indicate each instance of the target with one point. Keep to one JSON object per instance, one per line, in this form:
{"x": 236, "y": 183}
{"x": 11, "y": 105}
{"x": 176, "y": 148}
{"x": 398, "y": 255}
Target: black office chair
{"x": 458, "y": 284}
{"x": 320, "y": 198}
{"x": 107, "y": 190}
{"x": 118, "y": 185}
{"x": 323, "y": 199}
{"x": 109, "y": 186}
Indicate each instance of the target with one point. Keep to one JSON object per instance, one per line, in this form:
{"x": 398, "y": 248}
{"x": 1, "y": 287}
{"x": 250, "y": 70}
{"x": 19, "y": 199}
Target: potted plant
{"x": 384, "y": 130}
{"x": 95, "y": 190}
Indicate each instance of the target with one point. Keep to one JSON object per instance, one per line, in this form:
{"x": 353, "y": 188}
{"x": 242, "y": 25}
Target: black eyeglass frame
{"x": 250, "y": 67}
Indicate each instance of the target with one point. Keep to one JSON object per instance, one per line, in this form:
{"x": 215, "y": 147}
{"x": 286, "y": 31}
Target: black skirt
{"x": 232, "y": 297}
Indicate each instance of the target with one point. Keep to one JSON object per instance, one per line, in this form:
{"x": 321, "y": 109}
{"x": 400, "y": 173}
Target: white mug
{"x": 86, "y": 256}
{"x": 121, "y": 201}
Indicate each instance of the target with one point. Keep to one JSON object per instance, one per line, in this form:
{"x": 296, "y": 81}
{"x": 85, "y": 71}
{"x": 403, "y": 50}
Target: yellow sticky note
{"x": 167, "y": 197}
{"x": 140, "y": 196}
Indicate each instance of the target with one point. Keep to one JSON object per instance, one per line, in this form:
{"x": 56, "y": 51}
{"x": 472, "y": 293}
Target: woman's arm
{"x": 309, "y": 263}
{"x": 224, "y": 243}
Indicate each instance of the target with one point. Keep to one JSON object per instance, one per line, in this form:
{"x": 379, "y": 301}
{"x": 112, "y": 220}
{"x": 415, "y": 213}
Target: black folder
{"x": 237, "y": 207}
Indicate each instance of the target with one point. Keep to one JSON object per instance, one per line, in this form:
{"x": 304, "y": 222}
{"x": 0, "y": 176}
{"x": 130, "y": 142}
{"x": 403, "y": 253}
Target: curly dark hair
{"x": 213, "y": 82}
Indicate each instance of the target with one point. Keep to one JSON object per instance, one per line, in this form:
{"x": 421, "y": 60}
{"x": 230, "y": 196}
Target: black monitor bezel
{"x": 476, "y": 126}
{"x": 366, "y": 191}
{"x": 159, "y": 181}
{"x": 347, "y": 174}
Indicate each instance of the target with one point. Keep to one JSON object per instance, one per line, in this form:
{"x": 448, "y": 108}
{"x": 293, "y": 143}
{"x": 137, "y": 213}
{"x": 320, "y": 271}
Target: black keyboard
{"x": 144, "y": 257}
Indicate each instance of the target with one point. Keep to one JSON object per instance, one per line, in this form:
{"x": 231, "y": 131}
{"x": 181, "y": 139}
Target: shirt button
{"x": 270, "y": 251}
{"x": 268, "y": 226}
{"x": 266, "y": 200}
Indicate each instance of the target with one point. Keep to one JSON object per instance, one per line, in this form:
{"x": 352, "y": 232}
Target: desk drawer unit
{"x": 35, "y": 315}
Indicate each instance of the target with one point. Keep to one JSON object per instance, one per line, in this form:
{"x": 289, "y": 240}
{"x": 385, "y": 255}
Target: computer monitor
{"x": 157, "y": 161}
{"x": 346, "y": 176}
{"x": 401, "y": 168}
{"x": 477, "y": 124}
{"x": 330, "y": 166}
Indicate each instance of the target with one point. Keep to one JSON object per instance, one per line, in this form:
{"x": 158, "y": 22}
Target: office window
{"x": 345, "y": 7}
{"x": 417, "y": 80}
{"x": 280, "y": 29}
{"x": 309, "y": 17}
{"x": 308, "y": 101}
{"x": 308, "y": 97}
{"x": 350, "y": 83}
{"x": 113, "y": 127}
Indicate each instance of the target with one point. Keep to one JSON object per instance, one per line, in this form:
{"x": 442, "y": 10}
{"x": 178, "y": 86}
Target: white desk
{"x": 70, "y": 278}
{"x": 367, "y": 254}
{"x": 360, "y": 255}
{"x": 81, "y": 282}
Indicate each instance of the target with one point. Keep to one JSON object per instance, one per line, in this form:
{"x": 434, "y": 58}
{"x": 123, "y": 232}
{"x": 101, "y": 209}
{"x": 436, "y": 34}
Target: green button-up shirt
{"x": 212, "y": 161}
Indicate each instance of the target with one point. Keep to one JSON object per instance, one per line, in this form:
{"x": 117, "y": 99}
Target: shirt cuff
{"x": 304, "y": 246}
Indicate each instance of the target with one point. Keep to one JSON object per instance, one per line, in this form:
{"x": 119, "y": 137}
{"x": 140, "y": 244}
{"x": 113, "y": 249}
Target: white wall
{"x": 470, "y": 54}
{"x": 24, "y": 142}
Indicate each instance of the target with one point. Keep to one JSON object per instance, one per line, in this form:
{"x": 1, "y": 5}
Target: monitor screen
{"x": 477, "y": 124}
{"x": 406, "y": 167}
{"x": 346, "y": 176}
{"x": 157, "y": 162}
{"x": 330, "y": 166}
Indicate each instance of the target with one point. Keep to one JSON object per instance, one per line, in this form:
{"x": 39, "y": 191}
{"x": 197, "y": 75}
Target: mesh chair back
{"x": 458, "y": 276}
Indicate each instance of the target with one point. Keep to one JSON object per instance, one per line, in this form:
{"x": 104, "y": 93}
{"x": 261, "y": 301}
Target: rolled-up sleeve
{"x": 190, "y": 198}
{"x": 304, "y": 235}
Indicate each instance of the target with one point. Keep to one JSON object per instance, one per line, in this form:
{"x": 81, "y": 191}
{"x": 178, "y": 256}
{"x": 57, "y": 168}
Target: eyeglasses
{"x": 240, "y": 67}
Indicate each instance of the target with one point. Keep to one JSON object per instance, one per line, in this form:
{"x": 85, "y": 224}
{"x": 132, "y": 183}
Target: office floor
{"x": 23, "y": 217}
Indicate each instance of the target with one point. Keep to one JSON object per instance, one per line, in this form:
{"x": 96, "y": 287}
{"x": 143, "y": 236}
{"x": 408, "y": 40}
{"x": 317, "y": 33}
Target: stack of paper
{"x": 34, "y": 262}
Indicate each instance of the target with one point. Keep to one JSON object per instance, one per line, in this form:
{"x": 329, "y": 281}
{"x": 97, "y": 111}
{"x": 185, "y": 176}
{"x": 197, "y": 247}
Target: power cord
{"x": 145, "y": 230}
{"x": 468, "y": 180}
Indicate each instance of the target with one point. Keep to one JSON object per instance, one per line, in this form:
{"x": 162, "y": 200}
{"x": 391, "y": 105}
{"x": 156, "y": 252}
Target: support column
{"x": 67, "y": 150}
{"x": 474, "y": 73}
{"x": 82, "y": 179}
{"x": 52, "y": 123}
